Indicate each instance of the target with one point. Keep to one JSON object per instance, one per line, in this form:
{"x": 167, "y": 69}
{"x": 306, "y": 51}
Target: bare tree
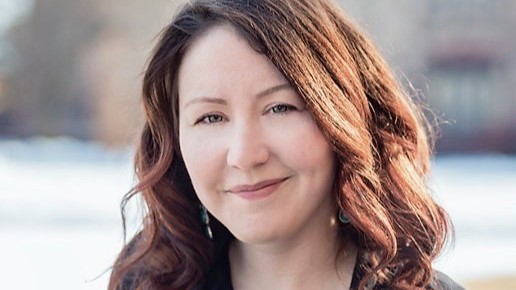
{"x": 45, "y": 93}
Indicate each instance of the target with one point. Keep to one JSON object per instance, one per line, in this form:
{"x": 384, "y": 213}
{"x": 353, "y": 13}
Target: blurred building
{"x": 2, "y": 92}
{"x": 114, "y": 64}
{"x": 76, "y": 68}
{"x": 461, "y": 55}
{"x": 79, "y": 64}
{"x": 45, "y": 94}
{"x": 2, "y": 88}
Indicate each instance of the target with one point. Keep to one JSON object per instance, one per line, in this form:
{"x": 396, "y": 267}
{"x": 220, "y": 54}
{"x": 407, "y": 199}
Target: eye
{"x": 281, "y": 109}
{"x": 209, "y": 119}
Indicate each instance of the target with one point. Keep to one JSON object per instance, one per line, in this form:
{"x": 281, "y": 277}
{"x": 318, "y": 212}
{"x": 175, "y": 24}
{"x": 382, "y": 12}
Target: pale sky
{"x": 10, "y": 10}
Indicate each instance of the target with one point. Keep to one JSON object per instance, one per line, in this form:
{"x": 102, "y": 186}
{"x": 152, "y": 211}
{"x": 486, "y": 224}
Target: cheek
{"x": 203, "y": 159}
{"x": 303, "y": 144}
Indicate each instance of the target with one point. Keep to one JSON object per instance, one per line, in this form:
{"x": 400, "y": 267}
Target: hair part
{"x": 378, "y": 134}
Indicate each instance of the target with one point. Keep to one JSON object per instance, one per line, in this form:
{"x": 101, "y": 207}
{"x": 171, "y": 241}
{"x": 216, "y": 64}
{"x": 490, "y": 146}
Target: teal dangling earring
{"x": 343, "y": 217}
{"x": 205, "y": 219}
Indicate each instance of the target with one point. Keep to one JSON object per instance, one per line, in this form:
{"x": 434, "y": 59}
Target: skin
{"x": 241, "y": 123}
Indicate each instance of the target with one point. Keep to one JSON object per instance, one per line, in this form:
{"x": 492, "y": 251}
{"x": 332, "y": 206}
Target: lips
{"x": 258, "y": 190}
{"x": 256, "y": 186}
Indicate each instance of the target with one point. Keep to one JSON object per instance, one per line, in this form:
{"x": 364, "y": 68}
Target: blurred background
{"x": 70, "y": 77}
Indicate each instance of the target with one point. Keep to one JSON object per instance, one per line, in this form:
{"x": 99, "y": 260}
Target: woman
{"x": 279, "y": 153}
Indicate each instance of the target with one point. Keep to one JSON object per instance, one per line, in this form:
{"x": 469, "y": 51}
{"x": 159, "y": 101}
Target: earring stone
{"x": 343, "y": 217}
{"x": 205, "y": 219}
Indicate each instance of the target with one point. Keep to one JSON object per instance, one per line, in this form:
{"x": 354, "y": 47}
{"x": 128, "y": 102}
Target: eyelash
{"x": 204, "y": 119}
{"x": 287, "y": 108}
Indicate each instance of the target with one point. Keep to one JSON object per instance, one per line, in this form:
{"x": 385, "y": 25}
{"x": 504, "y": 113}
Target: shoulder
{"x": 440, "y": 282}
{"x": 443, "y": 282}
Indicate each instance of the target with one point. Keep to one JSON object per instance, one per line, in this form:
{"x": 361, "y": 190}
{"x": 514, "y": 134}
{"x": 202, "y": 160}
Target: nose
{"x": 247, "y": 147}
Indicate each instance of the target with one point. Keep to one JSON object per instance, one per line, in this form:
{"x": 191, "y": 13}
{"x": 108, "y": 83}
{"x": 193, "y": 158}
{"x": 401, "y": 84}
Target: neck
{"x": 312, "y": 262}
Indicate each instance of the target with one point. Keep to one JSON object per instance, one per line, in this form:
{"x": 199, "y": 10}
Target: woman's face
{"x": 256, "y": 158}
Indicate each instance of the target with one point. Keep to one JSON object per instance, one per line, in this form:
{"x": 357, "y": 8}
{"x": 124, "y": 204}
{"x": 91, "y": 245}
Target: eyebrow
{"x": 272, "y": 90}
{"x": 220, "y": 101}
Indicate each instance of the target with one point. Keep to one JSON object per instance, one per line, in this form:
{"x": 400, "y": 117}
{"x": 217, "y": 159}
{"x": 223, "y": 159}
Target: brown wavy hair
{"x": 379, "y": 136}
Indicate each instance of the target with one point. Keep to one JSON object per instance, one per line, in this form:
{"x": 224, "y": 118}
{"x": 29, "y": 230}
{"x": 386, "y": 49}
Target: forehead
{"x": 221, "y": 60}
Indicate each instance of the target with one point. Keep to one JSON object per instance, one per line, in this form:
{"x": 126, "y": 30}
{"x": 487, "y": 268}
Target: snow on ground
{"x": 60, "y": 225}
{"x": 479, "y": 192}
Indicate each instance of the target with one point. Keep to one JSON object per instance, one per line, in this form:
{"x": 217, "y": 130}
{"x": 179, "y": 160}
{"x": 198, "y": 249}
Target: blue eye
{"x": 209, "y": 119}
{"x": 282, "y": 109}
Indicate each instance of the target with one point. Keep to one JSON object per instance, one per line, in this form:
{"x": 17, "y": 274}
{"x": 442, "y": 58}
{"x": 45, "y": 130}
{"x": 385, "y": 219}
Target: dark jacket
{"x": 219, "y": 279}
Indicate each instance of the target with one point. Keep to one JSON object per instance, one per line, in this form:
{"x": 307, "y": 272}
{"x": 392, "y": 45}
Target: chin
{"x": 258, "y": 236}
